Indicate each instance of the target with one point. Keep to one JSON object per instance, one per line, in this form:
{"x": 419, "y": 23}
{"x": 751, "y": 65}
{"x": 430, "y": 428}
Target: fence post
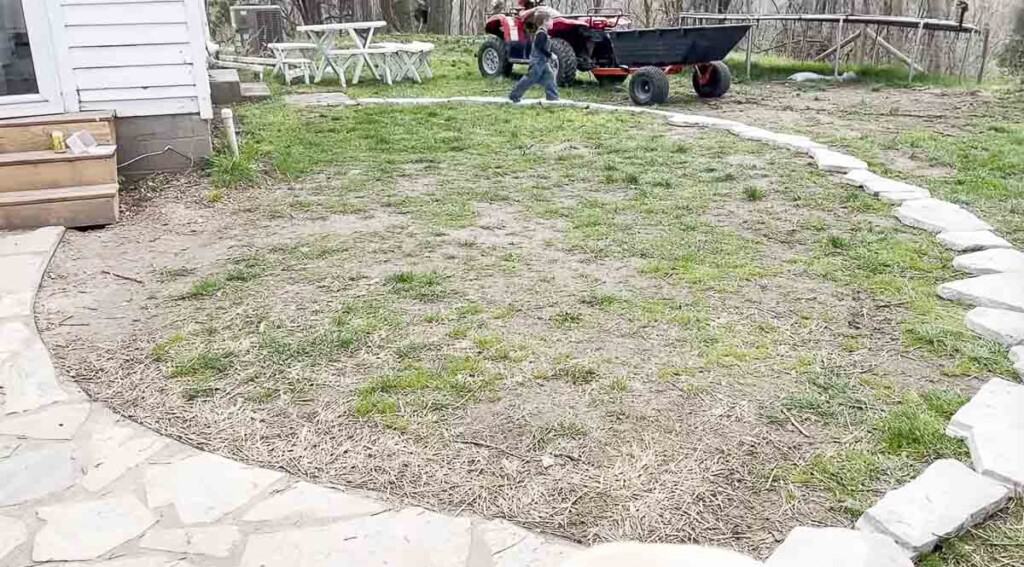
{"x": 839, "y": 49}
{"x": 984, "y": 53}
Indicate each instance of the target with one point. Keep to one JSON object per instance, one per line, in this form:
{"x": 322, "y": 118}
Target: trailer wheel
{"x": 492, "y": 60}
{"x": 711, "y": 80}
{"x": 648, "y": 85}
{"x": 565, "y": 62}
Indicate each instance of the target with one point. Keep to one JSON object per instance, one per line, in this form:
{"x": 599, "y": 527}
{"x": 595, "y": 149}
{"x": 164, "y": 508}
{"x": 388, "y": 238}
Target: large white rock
{"x": 944, "y": 501}
{"x": 698, "y": 120}
{"x": 112, "y": 450}
{"x": 1017, "y": 356}
{"x": 12, "y": 534}
{"x": 837, "y": 547}
{"x": 215, "y": 541}
{"x": 147, "y": 560}
{"x": 996, "y": 402}
{"x": 502, "y": 544}
{"x": 994, "y": 261}
{"x": 304, "y": 500}
{"x": 27, "y": 376}
{"x": 1001, "y": 325}
{"x": 86, "y": 530}
{"x": 998, "y": 452}
{"x": 937, "y": 216}
{"x": 902, "y": 197}
{"x": 408, "y": 538}
{"x": 34, "y": 472}
{"x": 858, "y": 177}
{"x": 880, "y": 186}
{"x": 41, "y": 240}
{"x": 53, "y": 422}
{"x": 1002, "y": 291}
{"x": 829, "y": 160}
{"x": 658, "y": 555}
{"x": 993, "y": 425}
{"x": 972, "y": 240}
{"x": 205, "y": 487}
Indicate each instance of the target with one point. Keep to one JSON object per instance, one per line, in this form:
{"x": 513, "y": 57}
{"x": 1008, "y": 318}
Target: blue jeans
{"x": 539, "y": 74}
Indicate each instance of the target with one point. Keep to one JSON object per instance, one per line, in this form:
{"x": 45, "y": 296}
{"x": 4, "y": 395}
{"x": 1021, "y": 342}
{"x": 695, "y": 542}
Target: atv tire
{"x": 648, "y": 85}
{"x": 492, "y": 60}
{"x": 565, "y": 62}
{"x": 718, "y": 81}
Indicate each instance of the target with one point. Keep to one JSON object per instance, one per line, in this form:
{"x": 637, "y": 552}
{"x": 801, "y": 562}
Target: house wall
{"x": 135, "y": 57}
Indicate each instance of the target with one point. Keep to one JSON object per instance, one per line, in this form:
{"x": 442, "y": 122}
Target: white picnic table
{"x": 329, "y": 54}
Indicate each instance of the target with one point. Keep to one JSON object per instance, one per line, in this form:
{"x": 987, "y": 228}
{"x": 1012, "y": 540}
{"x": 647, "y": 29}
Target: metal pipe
{"x": 839, "y": 49}
{"x": 229, "y": 126}
{"x": 917, "y": 51}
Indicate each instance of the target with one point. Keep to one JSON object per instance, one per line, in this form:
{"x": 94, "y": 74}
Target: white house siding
{"x": 135, "y": 57}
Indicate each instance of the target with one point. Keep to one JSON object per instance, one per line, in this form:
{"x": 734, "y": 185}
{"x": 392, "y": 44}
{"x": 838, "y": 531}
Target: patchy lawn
{"x": 590, "y": 324}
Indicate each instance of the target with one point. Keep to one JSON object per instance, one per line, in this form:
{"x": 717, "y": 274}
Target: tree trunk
{"x": 439, "y": 19}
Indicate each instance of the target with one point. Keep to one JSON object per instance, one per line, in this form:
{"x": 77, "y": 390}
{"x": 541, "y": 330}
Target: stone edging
{"x": 73, "y": 473}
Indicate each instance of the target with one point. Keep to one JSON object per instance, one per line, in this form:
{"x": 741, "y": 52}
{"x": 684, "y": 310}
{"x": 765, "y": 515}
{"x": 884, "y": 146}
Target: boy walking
{"x": 540, "y": 64}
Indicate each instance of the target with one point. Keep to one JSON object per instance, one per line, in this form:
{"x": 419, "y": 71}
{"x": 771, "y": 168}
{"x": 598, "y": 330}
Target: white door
{"x": 28, "y": 68}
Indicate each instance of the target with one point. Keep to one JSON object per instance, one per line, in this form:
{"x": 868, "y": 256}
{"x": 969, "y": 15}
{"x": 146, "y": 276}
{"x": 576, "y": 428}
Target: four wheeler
{"x": 603, "y": 43}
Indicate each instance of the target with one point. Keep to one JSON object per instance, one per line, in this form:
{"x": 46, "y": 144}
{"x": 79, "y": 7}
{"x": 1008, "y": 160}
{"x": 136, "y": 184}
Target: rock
{"x": 86, "y": 530}
{"x": 34, "y": 472}
{"x": 631, "y": 554}
{"x": 215, "y": 541}
{"x": 12, "y": 534}
{"x": 1001, "y": 325}
{"x": 55, "y": 422}
{"x": 943, "y": 501}
{"x": 26, "y": 373}
{"x": 205, "y": 487}
{"x": 995, "y": 402}
{"x": 112, "y": 450}
{"x": 804, "y": 76}
{"x": 994, "y": 261}
{"x": 858, "y": 177}
{"x": 829, "y": 160}
{"x": 143, "y": 561}
{"x": 993, "y": 425}
{"x": 897, "y": 197}
{"x": 309, "y": 501}
{"x": 408, "y": 538}
{"x": 937, "y": 216}
{"x": 319, "y": 99}
{"x": 789, "y": 140}
{"x": 1002, "y": 291}
{"x": 877, "y": 185}
{"x": 506, "y": 545}
{"x": 1017, "y": 356}
{"x": 996, "y": 452}
{"x": 38, "y": 241}
{"x": 698, "y": 120}
{"x": 972, "y": 240}
{"x": 837, "y": 547}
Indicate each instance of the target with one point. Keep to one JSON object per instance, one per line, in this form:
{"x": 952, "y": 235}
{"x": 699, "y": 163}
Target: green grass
{"x": 901, "y": 437}
{"x": 418, "y": 285}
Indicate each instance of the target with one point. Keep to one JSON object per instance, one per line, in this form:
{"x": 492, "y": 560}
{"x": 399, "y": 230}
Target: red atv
{"x": 602, "y": 42}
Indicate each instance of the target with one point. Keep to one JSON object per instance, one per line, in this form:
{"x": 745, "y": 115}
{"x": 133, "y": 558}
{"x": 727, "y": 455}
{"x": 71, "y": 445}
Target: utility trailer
{"x": 604, "y": 43}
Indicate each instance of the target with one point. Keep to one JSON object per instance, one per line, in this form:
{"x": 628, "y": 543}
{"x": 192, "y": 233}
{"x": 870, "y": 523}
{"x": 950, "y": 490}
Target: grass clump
{"x": 421, "y": 390}
{"x": 417, "y": 285}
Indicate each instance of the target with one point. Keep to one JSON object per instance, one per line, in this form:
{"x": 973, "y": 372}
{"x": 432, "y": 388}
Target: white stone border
{"x": 73, "y": 473}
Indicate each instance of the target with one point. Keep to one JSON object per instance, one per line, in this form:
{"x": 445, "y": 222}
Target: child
{"x": 540, "y": 67}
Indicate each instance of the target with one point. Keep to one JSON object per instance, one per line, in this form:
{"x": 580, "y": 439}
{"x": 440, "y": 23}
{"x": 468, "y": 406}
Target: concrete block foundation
{"x": 140, "y": 135}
